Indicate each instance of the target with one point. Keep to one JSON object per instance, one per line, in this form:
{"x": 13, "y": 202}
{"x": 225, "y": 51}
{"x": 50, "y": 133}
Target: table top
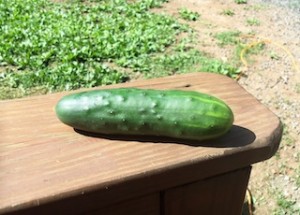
{"x": 43, "y": 160}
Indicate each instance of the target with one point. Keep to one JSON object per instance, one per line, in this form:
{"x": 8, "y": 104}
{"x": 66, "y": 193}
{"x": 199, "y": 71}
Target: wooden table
{"x": 48, "y": 168}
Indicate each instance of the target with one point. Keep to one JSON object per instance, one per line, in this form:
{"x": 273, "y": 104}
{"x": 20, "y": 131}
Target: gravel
{"x": 277, "y": 85}
{"x": 291, "y": 4}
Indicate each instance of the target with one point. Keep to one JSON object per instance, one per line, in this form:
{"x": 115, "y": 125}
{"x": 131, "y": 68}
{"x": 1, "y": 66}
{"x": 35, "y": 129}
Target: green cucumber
{"x": 131, "y": 111}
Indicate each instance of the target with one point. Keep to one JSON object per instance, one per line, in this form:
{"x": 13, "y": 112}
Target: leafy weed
{"x": 188, "y": 14}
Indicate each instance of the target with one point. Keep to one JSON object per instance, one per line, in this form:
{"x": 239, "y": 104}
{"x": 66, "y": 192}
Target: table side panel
{"x": 222, "y": 194}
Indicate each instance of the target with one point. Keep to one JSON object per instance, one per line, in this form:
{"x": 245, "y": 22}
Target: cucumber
{"x": 131, "y": 111}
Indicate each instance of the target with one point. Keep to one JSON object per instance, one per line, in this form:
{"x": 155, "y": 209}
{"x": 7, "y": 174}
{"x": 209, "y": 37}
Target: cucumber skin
{"x": 132, "y": 111}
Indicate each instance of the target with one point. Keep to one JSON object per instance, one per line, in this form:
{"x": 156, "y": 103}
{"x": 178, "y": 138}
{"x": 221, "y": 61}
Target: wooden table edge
{"x": 187, "y": 174}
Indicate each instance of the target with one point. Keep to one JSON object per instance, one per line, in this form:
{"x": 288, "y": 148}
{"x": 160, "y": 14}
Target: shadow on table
{"x": 237, "y": 136}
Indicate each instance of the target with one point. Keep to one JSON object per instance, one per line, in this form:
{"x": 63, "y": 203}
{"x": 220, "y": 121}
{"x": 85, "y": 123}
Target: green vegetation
{"x": 297, "y": 178}
{"x": 253, "y": 22}
{"x": 63, "y": 46}
{"x": 188, "y": 15}
{"x": 287, "y": 139}
{"x": 46, "y": 46}
{"x": 251, "y": 49}
{"x": 257, "y": 7}
{"x": 298, "y": 88}
{"x": 274, "y": 56}
{"x": 240, "y": 44}
{"x": 240, "y": 1}
{"x": 181, "y": 62}
{"x": 228, "y": 38}
{"x": 285, "y": 205}
{"x": 228, "y": 12}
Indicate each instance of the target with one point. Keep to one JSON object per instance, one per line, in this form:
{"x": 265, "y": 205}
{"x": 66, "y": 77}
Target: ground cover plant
{"x": 188, "y": 14}
{"x": 49, "y": 46}
{"x": 240, "y": 1}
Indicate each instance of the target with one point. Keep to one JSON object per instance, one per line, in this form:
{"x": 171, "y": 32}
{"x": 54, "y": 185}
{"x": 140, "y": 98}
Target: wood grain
{"x": 222, "y": 194}
{"x": 145, "y": 205}
{"x": 44, "y": 161}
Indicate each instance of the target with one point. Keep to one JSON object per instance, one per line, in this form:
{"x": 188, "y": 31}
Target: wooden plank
{"x": 147, "y": 205}
{"x": 144, "y": 205}
{"x": 43, "y": 160}
{"x": 222, "y": 194}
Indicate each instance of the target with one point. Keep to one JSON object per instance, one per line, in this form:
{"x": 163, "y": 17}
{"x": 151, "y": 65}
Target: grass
{"x": 253, "y": 22}
{"x": 228, "y": 38}
{"x": 257, "y": 7}
{"x": 46, "y": 46}
{"x": 241, "y": 1}
{"x": 178, "y": 62}
{"x": 63, "y": 46}
{"x": 274, "y": 56}
{"x": 297, "y": 172}
{"x": 234, "y": 38}
{"x": 285, "y": 206}
{"x": 297, "y": 88}
{"x": 228, "y": 12}
{"x": 287, "y": 139}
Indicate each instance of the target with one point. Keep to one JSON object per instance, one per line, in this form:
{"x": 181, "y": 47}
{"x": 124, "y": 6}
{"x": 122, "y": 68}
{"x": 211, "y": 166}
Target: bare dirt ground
{"x": 272, "y": 76}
